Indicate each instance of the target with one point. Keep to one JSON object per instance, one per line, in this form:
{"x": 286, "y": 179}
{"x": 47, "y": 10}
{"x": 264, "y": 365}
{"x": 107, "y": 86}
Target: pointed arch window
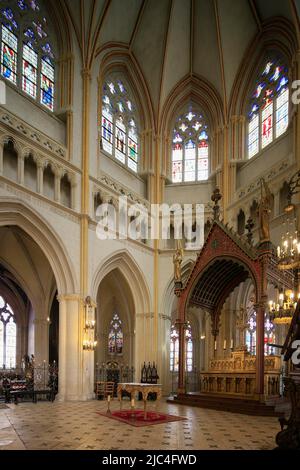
{"x": 119, "y": 131}
{"x": 269, "y": 109}
{"x": 269, "y": 336}
{"x": 27, "y": 57}
{"x": 8, "y": 336}
{"x": 115, "y": 336}
{"x": 190, "y": 148}
{"x": 174, "y": 349}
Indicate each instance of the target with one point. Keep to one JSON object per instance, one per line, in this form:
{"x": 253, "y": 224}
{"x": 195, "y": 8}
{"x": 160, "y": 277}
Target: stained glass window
{"x": 115, "y": 336}
{"x": 269, "y": 336}
{"x": 8, "y": 336}
{"x": 30, "y": 62}
{"x": 9, "y": 53}
{"x": 47, "y": 83}
{"x": 190, "y": 149}
{"x": 119, "y": 133}
{"x": 24, "y": 34}
{"x": 174, "y": 349}
{"x": 269, "y": 110}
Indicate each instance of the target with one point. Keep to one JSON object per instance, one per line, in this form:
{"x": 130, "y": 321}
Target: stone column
{"x": 264, "y": 256}
{"x": 76, "y": 367}
{"x": 260, "y": 336}
{"x": 163, "y": 357}
{"x": 41, "y": 340}
{"x": 58, "y": 174}
{"x": 181, "y": 366}
{"x": 21, "y": 159}
{"x": 73, "y": 193}
{"x": 143, "y": 340}
{"x": 1, "y": 157}
{"x": 40, "y": 176}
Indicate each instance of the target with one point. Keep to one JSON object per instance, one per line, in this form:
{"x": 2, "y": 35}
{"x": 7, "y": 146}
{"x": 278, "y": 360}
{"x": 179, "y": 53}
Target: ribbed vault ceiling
{"x": 221, "y": 278}
{"x": 171, "y": 39}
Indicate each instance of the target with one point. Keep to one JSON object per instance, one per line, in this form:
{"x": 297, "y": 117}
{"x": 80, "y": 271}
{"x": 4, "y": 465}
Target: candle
{"x": 108, "y": 398}
{"x": 132, "y": 402}
{"x": 231, "y": 344}
{"x": 224, "y": 344}
{"x": 215, "y": 345}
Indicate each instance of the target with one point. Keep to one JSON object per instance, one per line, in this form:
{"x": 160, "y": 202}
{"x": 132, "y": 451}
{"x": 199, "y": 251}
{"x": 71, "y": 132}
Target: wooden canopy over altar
{"x": 225, "y": 261}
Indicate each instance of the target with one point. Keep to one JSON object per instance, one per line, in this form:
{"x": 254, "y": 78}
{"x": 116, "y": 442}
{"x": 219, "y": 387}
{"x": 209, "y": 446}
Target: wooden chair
{"x": 103, "y": 389}
{"x": 109, "y": 389}
{"x": 100, "y": 389}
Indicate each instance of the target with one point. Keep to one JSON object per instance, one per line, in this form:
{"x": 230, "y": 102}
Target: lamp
{"x": 89, "y": 342}
{"x": 282, "y": 311}
{"x": 288, "y": 251}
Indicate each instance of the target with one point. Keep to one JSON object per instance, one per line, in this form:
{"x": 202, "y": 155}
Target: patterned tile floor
{"x": 77, "y": 426}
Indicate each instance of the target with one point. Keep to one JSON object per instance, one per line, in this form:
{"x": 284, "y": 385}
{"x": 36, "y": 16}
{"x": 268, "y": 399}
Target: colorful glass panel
{"x": 253, "y": 136}
{"x": 47, "y": 84}
{"x": 268, "y": 116}
{"x": 9, "y": 15}
{"x": 282, "y": 112}
{"x": 115, "y": 336}
{"x": 30, "y": 63}
{"x": 267, "y": 125}
{"x": 120, "y": 144}
{"x": 11, "y": 332}
{"x": 121, "y": 124}
{"x": 9, "y": 48}
{"x": 190, "y": 149}
{"x": 8, "y": 333}
{"x": 22, "y": 5}
{"x": 202, "y": 160}
{"x": 132, "y": 150}
{"x": 107, "y": 130}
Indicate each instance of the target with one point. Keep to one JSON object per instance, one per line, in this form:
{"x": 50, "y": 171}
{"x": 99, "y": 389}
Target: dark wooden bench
{"x": 16, "y": 394}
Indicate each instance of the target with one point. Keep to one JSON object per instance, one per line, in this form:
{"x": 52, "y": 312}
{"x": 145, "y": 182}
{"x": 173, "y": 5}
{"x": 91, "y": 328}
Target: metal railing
{"x": 29, "y": 377}
{"x": 113, "y": 373}
{"x": 192, "y": 381}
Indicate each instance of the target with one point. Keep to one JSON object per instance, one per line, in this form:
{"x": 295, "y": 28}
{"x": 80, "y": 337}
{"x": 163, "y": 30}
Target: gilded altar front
{"x": 235, "y": 375}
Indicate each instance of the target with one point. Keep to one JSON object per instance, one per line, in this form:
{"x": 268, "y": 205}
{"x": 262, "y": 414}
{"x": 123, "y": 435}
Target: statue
{"x": 264, "y": 211}
{"x": 177, "y": 260}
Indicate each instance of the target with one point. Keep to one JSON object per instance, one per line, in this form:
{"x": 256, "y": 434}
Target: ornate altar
{"x": 235, "y": 375}
{"x": 144, "y": 389}
{"x": 225, "y": 261}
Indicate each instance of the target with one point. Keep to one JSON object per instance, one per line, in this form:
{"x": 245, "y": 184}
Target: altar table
{"x": 134, "y": 388}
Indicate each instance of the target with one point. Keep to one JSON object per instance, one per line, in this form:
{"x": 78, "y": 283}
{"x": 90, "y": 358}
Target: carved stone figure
{"x": 264, "y": 211}
{"x": 177, "y": 260}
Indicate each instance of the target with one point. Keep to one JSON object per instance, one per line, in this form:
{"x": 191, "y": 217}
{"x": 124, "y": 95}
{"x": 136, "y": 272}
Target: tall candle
{"x": 108, "y": 398}
{"x": 215, "y": 345}
{"x": 132, "y": 402}
{"x": 231, "y": 344}
{"x": 224, "y": 344}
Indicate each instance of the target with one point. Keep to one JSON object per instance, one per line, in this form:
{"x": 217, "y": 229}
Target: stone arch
{"x": 121, "y": 62}
{"x": 124, "y": 262}
{"x": 276, "y": 35}
{"x": 202, "y": 95}
{"x": 16, "y": 212}
{"x": 7, "y": 138}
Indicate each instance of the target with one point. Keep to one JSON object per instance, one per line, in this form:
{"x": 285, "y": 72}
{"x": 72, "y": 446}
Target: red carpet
{"x": 136, "y": 417}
